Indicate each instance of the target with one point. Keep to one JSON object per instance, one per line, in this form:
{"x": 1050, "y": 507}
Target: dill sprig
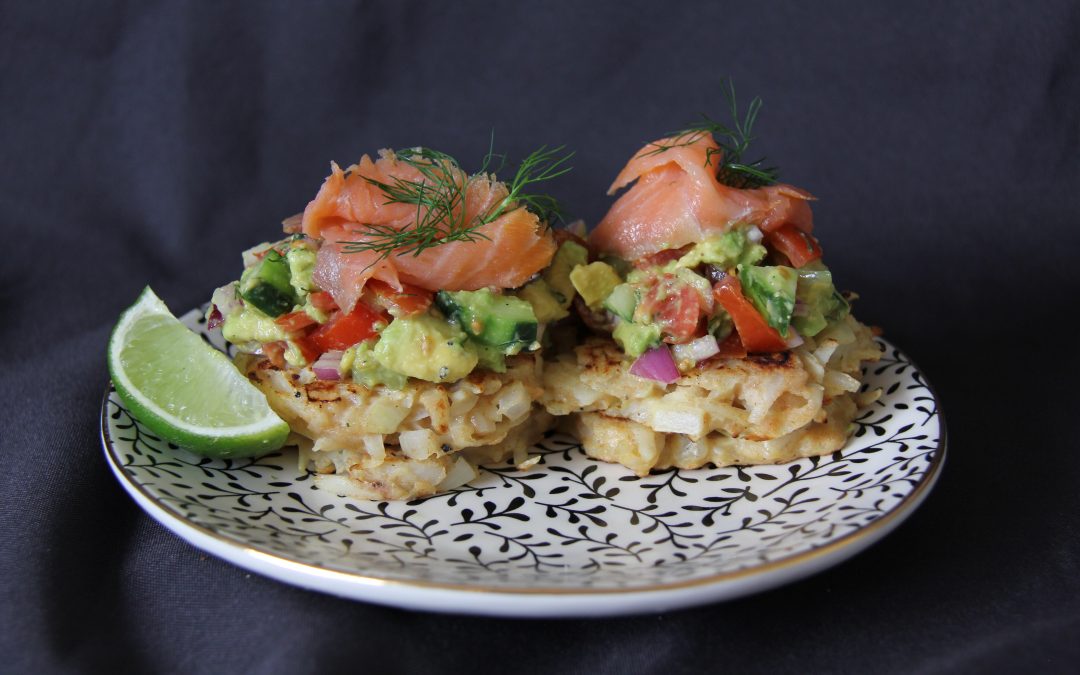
{"x": 440, "y": 199}
{"x": 733, "y": 140}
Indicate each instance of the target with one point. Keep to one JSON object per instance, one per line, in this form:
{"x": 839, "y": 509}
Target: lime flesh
{"x": 184, "y": 390}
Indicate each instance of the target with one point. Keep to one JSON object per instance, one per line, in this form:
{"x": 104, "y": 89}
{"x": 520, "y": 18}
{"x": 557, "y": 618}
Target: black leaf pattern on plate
{"x": 570, "y": 522}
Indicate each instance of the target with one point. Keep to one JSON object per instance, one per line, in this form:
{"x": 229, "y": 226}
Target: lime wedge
{"x": 186, "y": 391}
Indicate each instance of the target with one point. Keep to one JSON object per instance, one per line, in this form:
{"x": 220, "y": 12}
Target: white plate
{"x": 571, "y": 537}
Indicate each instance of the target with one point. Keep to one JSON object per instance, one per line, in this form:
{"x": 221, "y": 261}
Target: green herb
{"x": 734, "y": 141}
{"x": 439, "y": 197}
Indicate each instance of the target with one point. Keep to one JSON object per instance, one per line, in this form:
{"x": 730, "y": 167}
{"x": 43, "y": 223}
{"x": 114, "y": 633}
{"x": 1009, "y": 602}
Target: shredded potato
{"x": 762, "y": 409}
{"x": 400, "y": 444}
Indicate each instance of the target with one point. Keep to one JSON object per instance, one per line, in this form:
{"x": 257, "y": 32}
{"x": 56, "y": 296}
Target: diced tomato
{"x": 344, "y": 330}
{"x": 409, "y": 300}
{"x": 675, "y": 307}
{"x": 562, "y": 235}
{"x": 732, "y": 347}
{"x": 756, "y": 334}
{"x": 799, "y": 247}
{"x": 295, "y": 322}
{"x": 275, "y": 351}
{"x": 661, "y": 257}
{"x": 262, "y": 254}
{"x": 322, "y": 301}
{"x": 310, "y": 352}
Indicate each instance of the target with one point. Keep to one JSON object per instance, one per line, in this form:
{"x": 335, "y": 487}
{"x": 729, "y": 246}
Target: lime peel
{"x": 184, "y": 390}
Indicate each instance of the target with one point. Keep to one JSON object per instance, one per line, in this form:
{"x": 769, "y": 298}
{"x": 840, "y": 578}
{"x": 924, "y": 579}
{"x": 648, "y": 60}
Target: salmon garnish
{"x": 678, "y": 200}
{"x": 353, "y": 212}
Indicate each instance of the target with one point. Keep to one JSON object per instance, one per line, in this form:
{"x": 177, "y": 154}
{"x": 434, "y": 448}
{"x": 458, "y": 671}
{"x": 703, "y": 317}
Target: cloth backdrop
{"x": 149, "y": 143}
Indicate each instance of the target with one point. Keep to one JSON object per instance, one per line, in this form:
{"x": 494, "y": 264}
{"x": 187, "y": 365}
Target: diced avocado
{"x": 621, "y": 267}
{"x": 546, "y": 306}
{"x": 294, "y": 355}
{"x": 635, "y": 338}
{"x": 720, "y": 324}
{"x": 425, "y": 347}
{"x": 557, "y": 275}
{"x": 314, "y": 312}
{"x": 694, "y": 280}
{"x": 622, "y": 301}
{"x": 501, "y": 321}
{"x": 301, "y": 265}
{"x": 248, "y": 324}
{"x": 268, "y": 286}
{"x": 594, "y": 282}
{"x": 771, "y": 289}
{"x": 729, "y": 250}
{"x": 491, "y": 358}
{"x": 359, "y": 360}
{"x": 821, "y": 302}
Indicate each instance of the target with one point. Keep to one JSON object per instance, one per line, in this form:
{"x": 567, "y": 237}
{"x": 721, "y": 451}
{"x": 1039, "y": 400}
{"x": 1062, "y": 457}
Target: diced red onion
{"x": 327, "y": 366}
{"x": 224, "y": 302}
{"x": 656, "y": 364}
{"x": 801, "y": 308}
{"x": 794, "y": 339}
{"x": 214, "y": 318}
{"x": 754, "y": 234}
{"x": 697, "y": 350}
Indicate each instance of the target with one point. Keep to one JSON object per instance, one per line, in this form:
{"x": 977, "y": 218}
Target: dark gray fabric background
{"x": 148, "y": 143}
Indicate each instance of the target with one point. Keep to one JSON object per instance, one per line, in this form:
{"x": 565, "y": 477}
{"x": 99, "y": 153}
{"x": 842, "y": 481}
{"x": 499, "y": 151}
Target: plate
{"x": 570, "y": 537}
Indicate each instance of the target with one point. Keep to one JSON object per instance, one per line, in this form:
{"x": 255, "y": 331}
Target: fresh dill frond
{"x": 440, "y": 199}
{"x": 541, "y": 165}
{"x": 734, "y": 141}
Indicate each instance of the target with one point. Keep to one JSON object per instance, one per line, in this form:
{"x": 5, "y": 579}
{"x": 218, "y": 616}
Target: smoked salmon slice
{"x": 503, "y": 253}
{"x": 677, "y": 200}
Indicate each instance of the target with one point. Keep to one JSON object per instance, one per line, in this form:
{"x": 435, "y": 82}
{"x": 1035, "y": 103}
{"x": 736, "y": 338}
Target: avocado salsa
{"x": 277, "y": 310}
{"x": 733, "y": 288}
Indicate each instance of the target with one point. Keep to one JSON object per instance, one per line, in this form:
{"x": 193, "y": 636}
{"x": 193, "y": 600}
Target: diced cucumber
{"x": 594, "y": 282}
{"x": 622, "y": 301}
{"x": 501, "y": 321}
{"x": 267, "y": 287}
{"x": 491, "y": 358}
{"x": 771, "y": 289}
{"x": 557, "y": 275}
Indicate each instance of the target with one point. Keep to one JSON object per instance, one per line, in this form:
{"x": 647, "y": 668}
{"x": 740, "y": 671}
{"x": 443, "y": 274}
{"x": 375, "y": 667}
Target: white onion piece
{"x": 254, "y": 254}
{"x": 754, "y": 234}
{"x": 459, "y": 474}
{"x": 226, "y": 299}
{"x": 697, "y": 350}
{"x": 794, "y": 340}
